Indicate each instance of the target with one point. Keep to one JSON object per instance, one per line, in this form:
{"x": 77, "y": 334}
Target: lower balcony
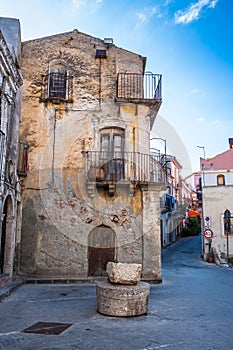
{"x": 130, "y": 168}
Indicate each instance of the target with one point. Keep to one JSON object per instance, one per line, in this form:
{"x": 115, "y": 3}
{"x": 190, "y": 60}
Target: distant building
{"x": 92, "y": 192}
{"x": 198, "y": 189}
{"x": 217, "y": 195}
{"x": 174, "y": 202}
{"x": 10, "y": 93}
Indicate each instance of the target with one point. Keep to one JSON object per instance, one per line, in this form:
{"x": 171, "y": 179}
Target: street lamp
{"x": 203, "y": 148}
{"x": 202, "y": 209}
{"x": 165, "y": 144}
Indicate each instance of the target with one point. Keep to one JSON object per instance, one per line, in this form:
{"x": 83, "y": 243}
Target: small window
{"x": 100, "y": 54}
{"x": 10, "y": 171}
{"x": 2, "y": 138}
{"x": 23, "y": 165}
{"x": 220, "y": 180}
{"x": 57, "y": 85}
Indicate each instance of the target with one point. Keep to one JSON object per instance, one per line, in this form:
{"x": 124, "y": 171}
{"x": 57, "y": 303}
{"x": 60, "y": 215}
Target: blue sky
{"x": 188, "y": 41}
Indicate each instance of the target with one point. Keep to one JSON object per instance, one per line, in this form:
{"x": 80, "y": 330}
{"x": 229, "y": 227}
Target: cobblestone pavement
{"x": 191, "y": 310}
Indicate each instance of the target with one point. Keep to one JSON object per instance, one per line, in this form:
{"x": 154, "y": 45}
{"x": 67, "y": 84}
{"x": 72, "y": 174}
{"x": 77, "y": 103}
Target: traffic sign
{"x": 208, "y": 233}
{"x": 207, "y": 221}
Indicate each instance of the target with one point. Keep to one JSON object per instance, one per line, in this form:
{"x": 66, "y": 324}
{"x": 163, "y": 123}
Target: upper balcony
{"x": 140, "y": 88}
{"x": 57, "y": 87}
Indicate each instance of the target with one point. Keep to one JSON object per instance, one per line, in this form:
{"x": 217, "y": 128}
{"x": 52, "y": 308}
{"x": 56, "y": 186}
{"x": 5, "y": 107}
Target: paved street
{"x": 191, "y": 310}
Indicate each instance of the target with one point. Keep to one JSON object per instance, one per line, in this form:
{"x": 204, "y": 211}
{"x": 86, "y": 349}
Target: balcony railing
{"x": 139, "y": 87}
{"x": 57, "y": 86}
{"x": 131, "y": 167}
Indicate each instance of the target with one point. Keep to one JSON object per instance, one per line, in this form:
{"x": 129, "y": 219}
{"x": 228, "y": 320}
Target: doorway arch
{"x": 6, "y": 237}
{"x": 101, "y": 250}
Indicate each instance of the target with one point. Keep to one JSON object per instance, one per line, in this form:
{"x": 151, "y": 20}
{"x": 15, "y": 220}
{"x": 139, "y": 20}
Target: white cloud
{"x": 200, "y": 120}
{"x": 147, "y": 13}
{"x": 79, "y": 3}
{"x": 213, "y": 4}
{"x": 167, "y": 2}
{"x": 195, "y": 91}
{"x": 194, "y": 11}
{"x": 141, "y": 17}
{"x": 216, "y": 122}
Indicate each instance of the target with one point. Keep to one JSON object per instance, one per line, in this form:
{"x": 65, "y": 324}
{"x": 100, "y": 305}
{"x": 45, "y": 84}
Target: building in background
{"x": 217, "y": 194}
{"x": 175, "y": 202}
{"x": 10, "y": 93}
{"x": 198, "y": 190}
{"x": 170, "y": 223}
{"x": 93, "y": 190}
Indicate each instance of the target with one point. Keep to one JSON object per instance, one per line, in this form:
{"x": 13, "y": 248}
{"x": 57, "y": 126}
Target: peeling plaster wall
{"x": 216, "y": 199}
{"x": 58, "y": 213}
{"x": 10, "y": 98}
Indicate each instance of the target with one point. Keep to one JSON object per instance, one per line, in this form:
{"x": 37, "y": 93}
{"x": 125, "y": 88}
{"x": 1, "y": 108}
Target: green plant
{"x": 211, "y": 253}
{"x": 186, "y": 231}
{"x": 192, "y": 227}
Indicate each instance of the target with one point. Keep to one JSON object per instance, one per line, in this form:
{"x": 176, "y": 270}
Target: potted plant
{"x": 211, "y": 256}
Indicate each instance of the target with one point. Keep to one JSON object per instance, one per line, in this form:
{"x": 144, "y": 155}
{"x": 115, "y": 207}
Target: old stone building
{"x": 217, "y": 206}
{"x": 10, "y": 91}
{"x": 92, "y": 192}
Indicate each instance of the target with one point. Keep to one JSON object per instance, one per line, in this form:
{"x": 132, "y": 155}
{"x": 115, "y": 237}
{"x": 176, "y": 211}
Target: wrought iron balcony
{"x": 134, "y": 167}
{"x": 139, "y": 87}
{"x": 57, "y": 87}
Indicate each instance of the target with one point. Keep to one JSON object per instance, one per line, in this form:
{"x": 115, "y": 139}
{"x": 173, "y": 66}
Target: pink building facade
{"x": 217, "y": 195}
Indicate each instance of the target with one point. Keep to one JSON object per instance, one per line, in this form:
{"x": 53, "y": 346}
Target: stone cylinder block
{"x": 122, "y": 300}
{"x": 122, "y": 273}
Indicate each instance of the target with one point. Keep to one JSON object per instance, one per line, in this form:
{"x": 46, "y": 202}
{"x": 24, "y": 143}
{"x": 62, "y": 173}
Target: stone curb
{"x": 10, "y": 288}
{"x": 6, "y": 290}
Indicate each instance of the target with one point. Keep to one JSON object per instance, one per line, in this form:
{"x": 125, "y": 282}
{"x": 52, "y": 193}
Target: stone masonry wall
{"x": 58, "y": 213}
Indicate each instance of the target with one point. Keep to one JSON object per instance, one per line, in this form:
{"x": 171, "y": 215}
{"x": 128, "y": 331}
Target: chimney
{"x": 231, "y": 142}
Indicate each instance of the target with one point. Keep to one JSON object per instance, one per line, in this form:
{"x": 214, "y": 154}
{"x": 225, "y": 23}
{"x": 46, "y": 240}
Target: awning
{"x": 193, "y": 213}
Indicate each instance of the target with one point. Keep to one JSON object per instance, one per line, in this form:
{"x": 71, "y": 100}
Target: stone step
{"x": 4, "y": 279}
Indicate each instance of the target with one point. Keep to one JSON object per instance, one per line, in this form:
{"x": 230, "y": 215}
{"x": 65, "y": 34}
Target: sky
{"x": 189, "y": 42}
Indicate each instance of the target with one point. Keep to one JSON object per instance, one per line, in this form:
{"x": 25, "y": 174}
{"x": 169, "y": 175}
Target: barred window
{"x": 57, "y": 84}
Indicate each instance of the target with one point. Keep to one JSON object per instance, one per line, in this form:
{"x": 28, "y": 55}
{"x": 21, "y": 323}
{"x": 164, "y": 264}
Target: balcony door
{"x": 112, "y": 154}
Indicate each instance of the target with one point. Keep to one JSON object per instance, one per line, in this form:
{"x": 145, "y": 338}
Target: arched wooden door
{"x": 6, "y": 232}
{"x": 101, "y": 250}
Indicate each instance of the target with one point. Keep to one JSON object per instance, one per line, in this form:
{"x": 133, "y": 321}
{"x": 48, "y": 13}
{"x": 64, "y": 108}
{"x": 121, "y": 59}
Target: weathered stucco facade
{"x": 10, "y": 93}
{"x": 216, "y": 199}
{"x": 92, "y": 191}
